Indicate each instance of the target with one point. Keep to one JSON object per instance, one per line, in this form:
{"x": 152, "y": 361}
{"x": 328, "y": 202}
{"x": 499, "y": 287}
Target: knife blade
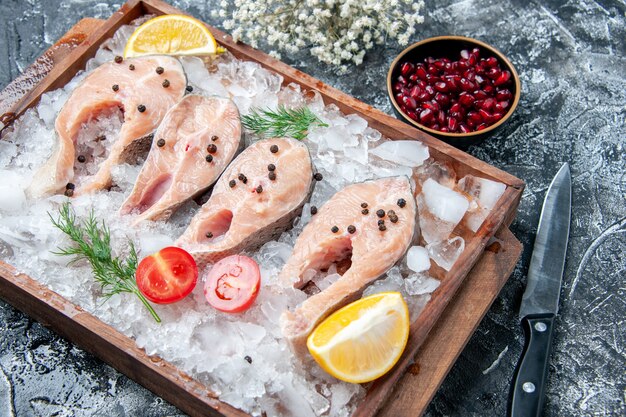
{"x": 540, "y": 302}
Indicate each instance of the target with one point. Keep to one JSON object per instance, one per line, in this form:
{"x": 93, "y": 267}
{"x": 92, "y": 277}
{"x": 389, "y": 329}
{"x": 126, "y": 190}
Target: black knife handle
{"x": 528, "y": 387}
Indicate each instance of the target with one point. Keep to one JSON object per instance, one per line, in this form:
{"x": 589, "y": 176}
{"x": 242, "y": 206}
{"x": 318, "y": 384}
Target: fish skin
{"x": 373, "y": 251}
{"x": 256, "y": 218}
{"x": 179, "y": 168}
{"x": 93, "y": 96}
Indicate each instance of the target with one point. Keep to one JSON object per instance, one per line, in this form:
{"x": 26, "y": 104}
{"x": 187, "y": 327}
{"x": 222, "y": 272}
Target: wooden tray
{"x": 437, "y": 336}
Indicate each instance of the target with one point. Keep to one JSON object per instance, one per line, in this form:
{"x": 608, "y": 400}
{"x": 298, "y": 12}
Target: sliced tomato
{"x": 167, "y": 276}
{"x": 233, "y": 284}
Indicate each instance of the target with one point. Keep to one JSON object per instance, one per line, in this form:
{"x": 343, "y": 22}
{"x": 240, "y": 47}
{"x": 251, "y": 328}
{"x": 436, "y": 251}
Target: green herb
{"x": 93, "y": 243}
{"x": 293, "y": 123}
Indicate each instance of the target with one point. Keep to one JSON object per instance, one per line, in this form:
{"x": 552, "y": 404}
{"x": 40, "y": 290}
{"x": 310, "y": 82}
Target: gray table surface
{"x": 571, "y": 58}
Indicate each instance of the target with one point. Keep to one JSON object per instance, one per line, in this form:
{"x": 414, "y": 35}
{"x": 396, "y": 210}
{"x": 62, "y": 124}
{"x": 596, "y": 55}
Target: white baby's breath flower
{"x": 337, "y": 32}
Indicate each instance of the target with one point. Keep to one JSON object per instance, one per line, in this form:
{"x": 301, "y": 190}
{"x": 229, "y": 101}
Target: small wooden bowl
{"x": 450, "y": 47}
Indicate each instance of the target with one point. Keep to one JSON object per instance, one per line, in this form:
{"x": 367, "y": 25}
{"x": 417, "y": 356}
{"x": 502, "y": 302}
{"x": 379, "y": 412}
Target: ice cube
{"x": 486, "y": 194}
{"x": 441, "y": 172}
{"x": 8, "y": 151}
{"x": 356, "y": 124}
{"x": 418, "y": 284}
{"x": 417, "y": 259}
{"x": 411, "y": 153}
{"x": 150, "y": 243}
{"x": 12, "y": 196}
{"x": 446, "y": 253}
{"x": 324, "y": 281}
{"x": 440, "y": 210}
{"x": 392, "y": 282}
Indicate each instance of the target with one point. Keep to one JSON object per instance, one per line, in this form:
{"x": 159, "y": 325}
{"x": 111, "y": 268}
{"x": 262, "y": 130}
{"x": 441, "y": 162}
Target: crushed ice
{"x": 209, "y": 345}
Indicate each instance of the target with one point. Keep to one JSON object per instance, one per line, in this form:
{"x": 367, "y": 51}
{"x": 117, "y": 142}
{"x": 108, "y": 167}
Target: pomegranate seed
{"x": 399, "y": 96}
{"x": 479, "y": 70}
{"x": 503, "y": 78}
{"x": 463, "y": 128}
{"x": 439, "y": 64}
{"x": 456, "y": 107}
{"x": 465, "y": 54}
{"x": 504, "y": 94}
{"x": 452, "y": 124}
{"x": 413, "y": 78}
{"x": 469, "y": 75}
{"x": 466, "y": 99}
{"x": 441, "y": 117}
{"x": 406, "y": 68}
{"x": 489, "y": 89}
{"x": 435, "y": 126}
{"x": 409, "y": 102}
{"x": 432, "y": 69}
{"x": 415, "y": 91}
{"x": 443, "y": 129}
{"x": 474, "y": 117}
{"x": 480, "y": 95}
{"x": 491, "y": 62}
{"x": 412, "y": 115}
{"x": 421, "y": 72}
{"x": 472, "y": 59}
{"x": 441, "y": 87}
{"x": 501, "y": 106}
{"x": 426, "y": 116}
{"x": 432, "y": 79}
{"x": 467, "y": 85}
{"x": 481, "y": 126}
{"x": 496, "y": 116}
{"x": 401, "y": 79}
{"x": 429, "y": 60}
{"x": 430, "y": 90}
{"x": 421, "y": 84}
{"x": 485, "y": 115}
{"x": 494, "y": 73}
{"x": 488, "y": 104}
{"x": 463, "y": 65}
{"x": 442, "y": 99}
{"x": 476, "y": 51}
{"x": 403, "y": 108}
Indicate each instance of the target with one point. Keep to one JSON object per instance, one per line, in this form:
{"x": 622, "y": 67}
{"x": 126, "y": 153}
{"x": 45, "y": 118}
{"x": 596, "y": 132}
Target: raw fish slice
{"x": 95, "y": 96}
{"x": 371, "y": 251}
{"x": 178, "y": 170}
{"x": 238, "y": 217}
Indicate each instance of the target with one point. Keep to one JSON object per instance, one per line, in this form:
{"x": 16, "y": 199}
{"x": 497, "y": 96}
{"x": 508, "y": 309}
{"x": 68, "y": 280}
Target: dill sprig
{"x": 293, "y": 123}
{"x": 93, "y": 243}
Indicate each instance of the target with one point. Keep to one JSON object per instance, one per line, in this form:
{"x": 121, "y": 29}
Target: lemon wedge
{"x": 171, "y": 34}
{"x": 363, "y": 340}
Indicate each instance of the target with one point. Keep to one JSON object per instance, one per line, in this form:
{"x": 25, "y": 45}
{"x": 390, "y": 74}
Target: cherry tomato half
{"x": 233, "y": 284}
{"x": 167, "y": 276}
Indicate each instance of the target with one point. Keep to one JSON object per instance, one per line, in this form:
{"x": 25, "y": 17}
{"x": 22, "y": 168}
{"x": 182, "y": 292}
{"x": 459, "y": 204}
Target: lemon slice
{"x": 363, "y": 340}
{"x": 171, "y": 34}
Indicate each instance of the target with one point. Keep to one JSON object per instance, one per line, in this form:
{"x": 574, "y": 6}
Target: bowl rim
{"x": 482, "y": 44}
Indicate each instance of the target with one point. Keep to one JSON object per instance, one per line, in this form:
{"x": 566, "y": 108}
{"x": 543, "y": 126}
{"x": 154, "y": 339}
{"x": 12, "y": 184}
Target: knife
{"x": 540, "y": 302}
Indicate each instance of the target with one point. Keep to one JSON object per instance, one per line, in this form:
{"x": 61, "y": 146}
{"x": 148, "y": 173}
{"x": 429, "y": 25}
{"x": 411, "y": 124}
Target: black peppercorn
{"x": 382, "y": 227}
{"x": 81, "y": 158}
{"x": 393, "y": 218}
{"x": 248, "y": 359}
{"x": 118, "y": 59}
{"x": 209, "y": 235}
{"x": 351, "y": 229}
{"x": 243, "y": 178}
{"x": 69, "y": 192}
{"x": 274, "y": 148}
{"x": 166, "y": 83}
{"x": 365, "y": 211}
{"x": 159, "y": 70}
{"x": 131, "y": 67}
{"x": 318, "y": 176}
{"x": 381, "y": 221}
{"x": 189, "y": 89}
{"x": 211, "y": 148}
{"x": 334, "y": 229}
{"x": 209, "y": 158}
{"x": 232, "y": 183}
{"x": 313, "y": 210}
{"x": 401, "y": 203}
{"x": 70, "y": 186}
{"x": 259, "y": 189}
{"x": 161, "y": 143}
{"x": 272, "y": 175}
{"x": 363, "y": 205}
{"x": 380, "y": 213}
{"x": 141, "y": 108}
{"x": 115, "y": 87}
{"x": 391, "y": 213}
{"x": 271, "y": 167}
{"x": 214, "y": 138}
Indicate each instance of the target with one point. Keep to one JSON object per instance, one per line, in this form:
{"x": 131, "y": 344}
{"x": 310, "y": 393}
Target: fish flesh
{"x": 256, "y": 199}
{"x": 196, "y": 141}
{"x": 135, "y": 88}
{"x": 371, "y": 224}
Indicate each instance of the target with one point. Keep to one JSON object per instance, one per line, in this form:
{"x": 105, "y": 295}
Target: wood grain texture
{"x": 163, "y": 378}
